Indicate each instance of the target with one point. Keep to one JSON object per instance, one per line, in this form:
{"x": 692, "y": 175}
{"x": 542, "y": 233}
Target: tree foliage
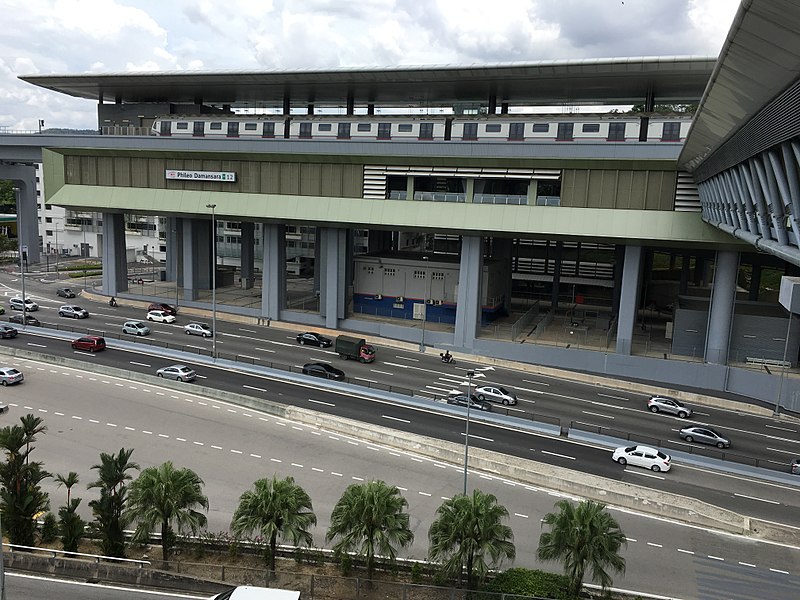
{"x": 275, "y": 508}
{"x": 70, "y": 525}
{"x": 21, "y": 496}
{"x": 167, "y": 497}
{"x": 583, "y": 537}
{"x": 467, "y": 531}
{"x": 370, "y": 519}
{"x": 108, "y": 510}
{"x": 666, "y": 109}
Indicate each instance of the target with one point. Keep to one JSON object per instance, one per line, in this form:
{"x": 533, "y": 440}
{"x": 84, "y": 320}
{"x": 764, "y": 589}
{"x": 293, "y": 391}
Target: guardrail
{"x": 55, "y": 552}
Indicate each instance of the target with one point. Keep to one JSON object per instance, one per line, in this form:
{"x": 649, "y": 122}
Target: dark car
{"x": 163, "y": 307}
{"x": 7, "y": 332}
{"x": 92, "y": 343}
{"x": 323, "y": 370}
{"x": 25, "y": 320}
{"x": 474, "y": 404}
{"x": 65, "y": 293}
{"x": 313, "y": 339}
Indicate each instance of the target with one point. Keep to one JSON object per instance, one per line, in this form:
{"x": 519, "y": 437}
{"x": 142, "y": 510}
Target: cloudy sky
{"x": 103, "y": 36}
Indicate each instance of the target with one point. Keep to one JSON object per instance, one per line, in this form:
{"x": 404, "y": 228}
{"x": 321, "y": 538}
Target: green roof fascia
{"x": 645, "y": 226}
{"x": 415, "y": 160}
{"x": 53, "y": 167}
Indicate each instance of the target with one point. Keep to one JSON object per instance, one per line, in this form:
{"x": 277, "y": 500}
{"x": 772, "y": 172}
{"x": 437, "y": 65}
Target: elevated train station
{"x": 475, "y": 209}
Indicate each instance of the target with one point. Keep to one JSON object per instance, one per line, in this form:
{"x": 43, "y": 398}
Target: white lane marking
{"x": 255, "y": 455}
{"x": 133, "y": 362}
{"x": 744, "y": 564}
{"x": 478, "y": 437}
{"x": 382, "y": 372}
{"x": 521, "y": 515}
{"x": 391, "y": 364}
{"x": 536, "y": 382}
{"x": 250, "y": 387}
{"x": 181, "y": 439}
{"x": 687, "y": 552}
{"x": 93, "y": 421}
{"x": 321, "y": 402}
{"x": 297, "y": 465}
{"x": 236, "y": 451}
{"x": 406, "y": 358}
{"x": 335, "y": 474}
{"x": 758, "y": 499}
{"x": 266, "y": 350}
{"x": 202, "y": 444}
{"x": 247, "y": 330}
{"x": 250, "y": 357}
{"x": 643, "y": 474}
{"x": 77, "y": 417}
{"x": 719, "y": 558}
{"x": 654, "y": 545}
{"x": 781, "y": 451}
{"x": 395, "y": 419}
{"x": 147, "y": 432}
{"x": 215, "y": 447}
{"x": 702, "y": 414}
{"x": 42, "y": 346}
{"x": 594, "y": 414}
{"x": 614, "y": 397}
{"x": 781, "y": 428}
{"x": 782, "y": 572}
{"x": 317, "y": 470}
{"x": 363, "y": 379}
{"x": 559, "y": 455}
{"x": 522, "y": 389}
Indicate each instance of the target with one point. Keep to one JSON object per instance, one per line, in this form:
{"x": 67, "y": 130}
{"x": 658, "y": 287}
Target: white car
{"x": 159, "y": 316}
{"x": 10, "y": 376}
{"x": 16, "y": 304}
{"x": 177, "y": 372}
{"x": 198, "y": 329}
{"x": 496, "y": 393}
{"x": 70, "y": 310}
{"x": 642, "y": 456}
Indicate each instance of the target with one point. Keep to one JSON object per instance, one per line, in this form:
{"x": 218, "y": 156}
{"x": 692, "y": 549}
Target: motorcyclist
{"x": 112, "y": 302}
{"x": 447, "y": 357}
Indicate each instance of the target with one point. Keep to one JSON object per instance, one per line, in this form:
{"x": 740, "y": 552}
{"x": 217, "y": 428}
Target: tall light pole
{"x": 22, "y": 249}
{"x": 472, "y": 373}
{"x": 424, "y": 305}
{"x": 213, "y": 281}
{"x": 84, "y": 248}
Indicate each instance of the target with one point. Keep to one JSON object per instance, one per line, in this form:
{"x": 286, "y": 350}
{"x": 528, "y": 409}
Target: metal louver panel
{"x": 687, "y": 197}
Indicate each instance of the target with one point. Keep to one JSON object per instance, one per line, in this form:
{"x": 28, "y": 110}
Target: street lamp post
{"x": 22, "y": 249}
{"x": 472, "y": 373}
{"x": 213, "y": 281}
{"x": 777, "y": 410}
{"x": 424, "y": 305}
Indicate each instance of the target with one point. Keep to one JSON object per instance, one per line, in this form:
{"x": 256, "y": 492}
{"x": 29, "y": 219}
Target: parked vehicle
{"x": 65, "y": 293}
{"x": 704, "y": 435}
{"x": 135, "y": 328}
{"x": 24, "y": 319}
{"x": 251, "y": 592}
{"x": 161, "y": 306}
{"x": 160, "y": 316}
{"x": 92, "y": 343}
{"x": 7, "y": 331}
{"x": 355, "y": 348}
{"x": 795, "y": 466}
{"x": 313, "y": 339}
{"x": 668, "y": 405}
{"x": 177, "y": 372}
{"x": 75, "y": 312}
{"x": 472, "y": 401}
{"x": 323, "y": 370}
{"x": 643, "y": 456}
{"x": 200, "y": 329}
{"x": 10, "y": 376}
{"x": 17, "y": 304}
{"x": 496, "y": 393}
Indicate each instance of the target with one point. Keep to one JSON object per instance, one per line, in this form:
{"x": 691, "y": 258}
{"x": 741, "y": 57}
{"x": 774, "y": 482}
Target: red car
{"x": 92, "y": 343}
{"x": 163, "y": 307}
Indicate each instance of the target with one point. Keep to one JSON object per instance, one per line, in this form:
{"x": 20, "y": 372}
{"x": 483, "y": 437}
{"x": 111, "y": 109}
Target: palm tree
{"x": 71, "y": 526}
{"x": 467, "y": 530}
{"x": 369, "y": 518}
{"x": 112, "y": 474}
{"x": 275, "y": 507}
{"x": 583, "y": 537}
{"x": 67, "y": 481}
{"x": 166, "y": 496}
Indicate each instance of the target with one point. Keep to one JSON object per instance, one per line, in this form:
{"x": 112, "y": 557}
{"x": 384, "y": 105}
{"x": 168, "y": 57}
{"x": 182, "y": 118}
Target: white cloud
{"x": 80, "y": 36}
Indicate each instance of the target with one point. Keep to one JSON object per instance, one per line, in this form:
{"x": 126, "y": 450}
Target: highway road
{"x": 230, "y": 447}
{"x": 34, "y": 587}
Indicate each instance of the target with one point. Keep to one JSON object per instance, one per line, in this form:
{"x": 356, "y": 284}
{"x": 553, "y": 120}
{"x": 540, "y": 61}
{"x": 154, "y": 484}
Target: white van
{"x": 251, "y": 592}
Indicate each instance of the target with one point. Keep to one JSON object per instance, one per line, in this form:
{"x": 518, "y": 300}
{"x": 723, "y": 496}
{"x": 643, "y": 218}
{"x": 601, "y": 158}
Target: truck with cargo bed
{"x": 355, "y": 348}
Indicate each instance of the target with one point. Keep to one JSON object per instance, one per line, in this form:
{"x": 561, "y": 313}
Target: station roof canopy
{"x": 670, "y": 79}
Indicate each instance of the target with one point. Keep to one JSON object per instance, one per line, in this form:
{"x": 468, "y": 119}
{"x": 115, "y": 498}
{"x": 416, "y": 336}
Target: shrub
{"x": 528, "y": 582}
{"x": 345, "y": 564}
{"x": 417, "y": 573}
{"x": 49, "y": 528}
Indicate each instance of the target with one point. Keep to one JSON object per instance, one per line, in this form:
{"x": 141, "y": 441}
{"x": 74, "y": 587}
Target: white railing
{"x": 97, "y": 557}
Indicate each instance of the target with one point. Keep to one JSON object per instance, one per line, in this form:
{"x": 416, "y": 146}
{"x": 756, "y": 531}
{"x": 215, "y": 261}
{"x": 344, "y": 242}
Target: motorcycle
{"x": 112, "y": 303}
{"x": 448, "y": 359}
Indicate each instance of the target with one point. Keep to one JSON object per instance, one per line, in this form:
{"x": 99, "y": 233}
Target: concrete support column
{"x": 629, "y": 298}
{"x": 23, "y": 177}
{"x": 248, "y": 254}
{"x": 115, "y": 263}
{"x": 468, "y": 309}
{"x": 556, "y": 275}
{"x": 172, "y": 248}
{"x": 469, "y": 191}
{"x": 333, "y": 274}
{"x": 755, "y": 282}
{"x": 721, "y": 311}
{"x": 410, "y": 187}
{"x": 197, "y": 257}
{"x": 619, "y": 267}
{"x": 273, "y": 288}
{"x": 502, "y": 250}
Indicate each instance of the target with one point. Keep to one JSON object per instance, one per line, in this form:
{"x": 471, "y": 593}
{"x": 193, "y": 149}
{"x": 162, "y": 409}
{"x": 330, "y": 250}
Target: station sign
{"x": 200, "y": 175}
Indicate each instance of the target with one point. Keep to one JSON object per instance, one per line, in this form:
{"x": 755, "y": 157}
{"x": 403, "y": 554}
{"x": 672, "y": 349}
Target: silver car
{"x": 198, "y": 329}
{"x": 177, "y": 372}
{"x": 135, "y": 328}
{"x": 70, "y": 310}
{"x": 704, "y": 435}
{"x": 496, "y": 393}
{"x": 668, "y": 405}
{"x": 10, "y": 375}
